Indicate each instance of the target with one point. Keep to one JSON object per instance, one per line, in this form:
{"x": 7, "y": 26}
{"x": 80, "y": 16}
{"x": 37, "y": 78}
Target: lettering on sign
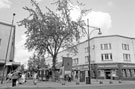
{"x": 106, "y": 66}
{"x": 128, "y": 66}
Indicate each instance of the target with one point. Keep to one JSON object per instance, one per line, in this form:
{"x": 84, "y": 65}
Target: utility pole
{"x": 89, "y": 56}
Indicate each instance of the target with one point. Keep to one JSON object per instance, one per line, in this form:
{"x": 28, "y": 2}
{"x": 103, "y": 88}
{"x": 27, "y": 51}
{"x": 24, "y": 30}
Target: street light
{"x": 89, "y": 59}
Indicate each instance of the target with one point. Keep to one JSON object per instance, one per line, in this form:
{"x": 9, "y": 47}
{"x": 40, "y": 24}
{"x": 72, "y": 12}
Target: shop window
{"x": 114, "y": 73}
{"x": 132, "y": 72}
{"x": 127, "y": 73}
{"x": 124, "y": 73}
{"x": 101, "y": 73}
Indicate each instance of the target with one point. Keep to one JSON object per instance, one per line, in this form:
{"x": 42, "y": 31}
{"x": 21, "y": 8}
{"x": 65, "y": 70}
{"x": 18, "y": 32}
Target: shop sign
{"x": 83, "y": 67}
{"x": 106, "y": 66}
{"x": 129, "y": 66}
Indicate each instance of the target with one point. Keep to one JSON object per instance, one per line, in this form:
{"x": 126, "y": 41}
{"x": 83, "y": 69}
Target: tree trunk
{"x": 54, "y": 67}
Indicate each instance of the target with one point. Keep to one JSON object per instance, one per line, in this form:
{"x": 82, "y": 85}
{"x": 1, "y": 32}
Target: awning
{"x": 8, "y": 63}
{"x": 12, "y": 63}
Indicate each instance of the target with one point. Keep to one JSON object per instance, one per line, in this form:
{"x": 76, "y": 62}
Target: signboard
{"x": 107, "y": 66}
{"x": 67, "y": 62}
{"x": 128, "y": 66}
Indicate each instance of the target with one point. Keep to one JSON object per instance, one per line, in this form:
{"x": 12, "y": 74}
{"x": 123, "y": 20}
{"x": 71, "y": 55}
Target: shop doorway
{"x": 82, "y": 76}
{"x": 108, "y": 74}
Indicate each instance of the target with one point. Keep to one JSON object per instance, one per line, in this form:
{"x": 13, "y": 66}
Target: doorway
{"x": 108, "y": 74}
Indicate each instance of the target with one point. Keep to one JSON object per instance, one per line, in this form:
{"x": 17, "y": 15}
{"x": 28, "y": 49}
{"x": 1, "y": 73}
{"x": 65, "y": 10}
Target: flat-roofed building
{"x": 112, "y": 57}
{"x": 7, "y": 48}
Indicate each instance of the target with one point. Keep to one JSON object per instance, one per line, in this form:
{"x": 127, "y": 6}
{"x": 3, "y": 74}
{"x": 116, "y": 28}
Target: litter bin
{"x": 87, "y": 80}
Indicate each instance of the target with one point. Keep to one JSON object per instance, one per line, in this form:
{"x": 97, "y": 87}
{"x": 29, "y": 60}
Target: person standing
{"x": 15, "y": 77}
{"x": 35, "y": 78}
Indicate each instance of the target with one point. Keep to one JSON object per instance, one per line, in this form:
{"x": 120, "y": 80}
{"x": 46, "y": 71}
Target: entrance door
{"x": 108, "y": 74}
{"x": 82, "y": 76}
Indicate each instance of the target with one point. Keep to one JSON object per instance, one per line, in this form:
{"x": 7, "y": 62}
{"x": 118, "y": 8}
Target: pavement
{"x": 46, "y": 84}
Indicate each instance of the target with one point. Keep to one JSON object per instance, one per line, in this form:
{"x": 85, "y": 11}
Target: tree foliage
{"x": 51, "y": 30}
{"x": 36, "y": 62}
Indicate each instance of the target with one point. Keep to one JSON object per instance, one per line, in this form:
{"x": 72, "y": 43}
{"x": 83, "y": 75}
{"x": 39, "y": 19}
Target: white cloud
{"x": 22, "y": 55}
{"x": 5, "y": 4}
{"x": 99, "y": 19}
{"x": 75, "y": 12}
{"x": 96, "y": 19}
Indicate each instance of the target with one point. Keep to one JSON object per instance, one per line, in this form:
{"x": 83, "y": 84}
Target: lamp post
{"x": 89, "y": 57}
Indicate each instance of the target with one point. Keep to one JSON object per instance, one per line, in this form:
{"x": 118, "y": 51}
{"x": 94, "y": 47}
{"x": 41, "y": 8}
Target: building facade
{"x": 111, "y": 57}
{"x": 7, "y": 48}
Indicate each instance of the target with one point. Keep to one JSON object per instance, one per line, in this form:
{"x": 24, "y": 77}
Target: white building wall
{"x": 98, "y": 51}
{"x": 117, "y": 51}
{"x": 95, "y": 44}
{"x": 130, "y": 51}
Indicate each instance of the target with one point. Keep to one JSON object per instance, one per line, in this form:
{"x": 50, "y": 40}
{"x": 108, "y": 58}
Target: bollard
{"x": 77, "y": 82}
{"x": 120, "y": 81}
{"x": 100, "y": 82}
{"x": 63, "y": 82}
{"x": 110, "y": 82}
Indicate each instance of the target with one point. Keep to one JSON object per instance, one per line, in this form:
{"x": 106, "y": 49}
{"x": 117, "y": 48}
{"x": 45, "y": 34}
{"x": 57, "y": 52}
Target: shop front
{"x": 107, "y": 71}
{"x": 115, "y": 71}
{"x": 82, "y": 72}
{"x": 128, "y": 71}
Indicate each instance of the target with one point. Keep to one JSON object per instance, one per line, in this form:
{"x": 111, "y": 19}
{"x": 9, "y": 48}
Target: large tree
{"x": 52, "y": 30}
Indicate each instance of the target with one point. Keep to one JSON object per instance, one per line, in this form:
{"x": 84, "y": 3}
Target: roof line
{"x": 100, "y": 37}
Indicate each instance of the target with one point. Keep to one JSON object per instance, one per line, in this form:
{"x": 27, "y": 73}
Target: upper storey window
{"x": 106, "y": 46}
{"x": 125, "y": 46}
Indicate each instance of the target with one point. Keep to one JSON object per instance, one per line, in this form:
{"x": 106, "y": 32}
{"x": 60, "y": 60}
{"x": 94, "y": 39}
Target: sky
{"x": 114, "y": 17}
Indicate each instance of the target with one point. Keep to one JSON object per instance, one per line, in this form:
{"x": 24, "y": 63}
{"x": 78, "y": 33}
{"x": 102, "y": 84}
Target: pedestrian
{"x": 9, "y": 77}
{"x": 35, "y": 78}
{"x": 14, "y": 78}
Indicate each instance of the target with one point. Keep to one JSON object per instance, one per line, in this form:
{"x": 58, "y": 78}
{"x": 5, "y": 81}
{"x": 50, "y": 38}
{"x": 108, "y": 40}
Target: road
{"x": 120, "y": 86}
{"x": 52, "y": 85}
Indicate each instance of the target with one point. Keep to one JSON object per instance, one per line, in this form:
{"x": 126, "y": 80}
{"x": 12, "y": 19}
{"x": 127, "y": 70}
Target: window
{"x": 86, "y": 59}
{"x": 75, "y": 61}
{"x": 127, "y": 73}
{"x": 126, "y": 57}
{"x": 86, "y": 50}
{"x": 124, "y": 73}
{"x": 106, "y": 46}
{"x": 106, "y": 57}
{"x": 125, "y": 46}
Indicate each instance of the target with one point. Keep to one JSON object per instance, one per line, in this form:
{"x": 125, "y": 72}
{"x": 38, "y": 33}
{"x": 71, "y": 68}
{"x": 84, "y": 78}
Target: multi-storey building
{"x": 110, "y": 57}
{"x": 7, "y": 48}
